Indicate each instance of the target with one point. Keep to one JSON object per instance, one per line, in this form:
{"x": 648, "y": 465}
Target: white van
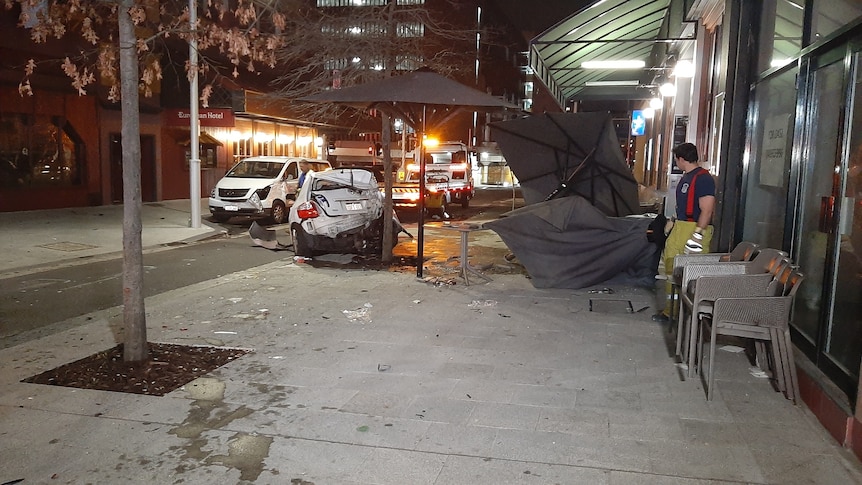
{"x": 259, "y": 186}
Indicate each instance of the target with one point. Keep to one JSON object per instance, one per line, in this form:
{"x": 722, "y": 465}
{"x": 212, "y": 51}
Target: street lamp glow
{"x": 667, "y": 89}
{"x": 656, "y": 103}
{"x": 684, "y": 68}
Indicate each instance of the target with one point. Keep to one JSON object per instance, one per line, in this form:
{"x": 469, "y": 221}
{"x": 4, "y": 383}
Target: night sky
{"x": 535, "y": 16}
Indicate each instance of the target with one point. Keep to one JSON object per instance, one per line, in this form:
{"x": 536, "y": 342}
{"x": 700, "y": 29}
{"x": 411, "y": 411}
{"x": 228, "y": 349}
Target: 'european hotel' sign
{"x": 207, "y": 117}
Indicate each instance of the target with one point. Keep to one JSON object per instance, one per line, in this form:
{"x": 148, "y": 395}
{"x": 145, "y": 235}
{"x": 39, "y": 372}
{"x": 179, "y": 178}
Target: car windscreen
{"x": 256, "y": 169}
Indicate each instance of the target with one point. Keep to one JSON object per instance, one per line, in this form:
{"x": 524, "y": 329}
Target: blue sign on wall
{"x": 638, "y": 123}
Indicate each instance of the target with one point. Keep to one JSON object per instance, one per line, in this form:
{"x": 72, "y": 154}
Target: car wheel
{"x": 301, "y": 246}
{"x": 278, "y": 213}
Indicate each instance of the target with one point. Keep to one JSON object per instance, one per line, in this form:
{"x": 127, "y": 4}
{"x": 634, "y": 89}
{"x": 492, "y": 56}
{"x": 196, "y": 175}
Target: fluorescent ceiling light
{"x": 684, "y": 68}
{"x": 630, "y": 82}
{"x": 623, "y": 64}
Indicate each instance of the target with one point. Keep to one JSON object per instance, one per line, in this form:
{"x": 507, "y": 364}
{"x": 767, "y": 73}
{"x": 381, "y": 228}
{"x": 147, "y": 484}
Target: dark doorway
{"x": 148, "y": 168}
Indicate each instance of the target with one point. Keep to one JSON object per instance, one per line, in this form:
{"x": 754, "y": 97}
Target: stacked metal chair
{"x": 744, "y": 251}
{"x": 702, "y": 283}
{"x": 763, "y": 318}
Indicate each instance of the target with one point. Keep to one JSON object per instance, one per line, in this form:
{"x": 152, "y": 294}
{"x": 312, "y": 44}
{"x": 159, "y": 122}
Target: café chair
{"x": 766, "y": 319}
{"x": 762, "y": 269}
{"x": 744, "y": 251}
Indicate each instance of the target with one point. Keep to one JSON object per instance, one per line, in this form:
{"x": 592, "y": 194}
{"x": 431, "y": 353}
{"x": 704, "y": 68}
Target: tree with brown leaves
{"x": 126, "y": 40}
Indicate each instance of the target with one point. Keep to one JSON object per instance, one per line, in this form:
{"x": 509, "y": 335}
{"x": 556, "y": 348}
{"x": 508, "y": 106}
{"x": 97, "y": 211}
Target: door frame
{"x": 828, "y": 56}
{"x": 149, "y": 192}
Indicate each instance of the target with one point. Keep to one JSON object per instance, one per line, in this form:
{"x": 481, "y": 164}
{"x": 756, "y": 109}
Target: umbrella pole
{"x": 420, "y": 239}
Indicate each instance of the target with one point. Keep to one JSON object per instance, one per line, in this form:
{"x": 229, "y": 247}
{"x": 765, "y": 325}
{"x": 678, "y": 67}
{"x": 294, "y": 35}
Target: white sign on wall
{"x": 774, "y": 153}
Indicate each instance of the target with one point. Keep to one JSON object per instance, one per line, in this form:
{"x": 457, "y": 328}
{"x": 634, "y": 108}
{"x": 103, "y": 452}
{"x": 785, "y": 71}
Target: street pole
{"x": 420, "y": 230}
{"x": 194, "y": 121}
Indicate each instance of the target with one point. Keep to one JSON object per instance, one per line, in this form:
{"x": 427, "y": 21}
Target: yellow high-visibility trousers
{"x": 675, "y": 244}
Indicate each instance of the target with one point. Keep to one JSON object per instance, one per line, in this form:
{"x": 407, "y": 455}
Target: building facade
{"x": 59, "y": 149}
{"x": 774, "y": 106}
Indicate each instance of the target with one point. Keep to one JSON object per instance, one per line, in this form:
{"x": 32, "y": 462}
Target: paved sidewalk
{"x": 374, "y": 377}
{"x": 36, "y": 239}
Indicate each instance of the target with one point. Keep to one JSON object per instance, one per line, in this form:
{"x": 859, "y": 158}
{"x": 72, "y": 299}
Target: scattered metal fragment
{"x": 482, "y": 303}
{"x": 606, "y": 291}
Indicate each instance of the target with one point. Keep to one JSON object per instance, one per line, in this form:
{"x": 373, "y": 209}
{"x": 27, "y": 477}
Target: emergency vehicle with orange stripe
{"x": 448, "y": 177}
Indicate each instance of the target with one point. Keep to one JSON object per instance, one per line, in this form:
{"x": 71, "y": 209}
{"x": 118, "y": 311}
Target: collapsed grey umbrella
{"x": 569, "y": 243}
{"x": 561, "y": 154}
{"x": 425, "y": 100}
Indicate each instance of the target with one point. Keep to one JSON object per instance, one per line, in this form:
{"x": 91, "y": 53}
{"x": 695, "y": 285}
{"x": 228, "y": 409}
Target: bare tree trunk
{"x": 386, "y": 140}
{"x": 134, "y": 317}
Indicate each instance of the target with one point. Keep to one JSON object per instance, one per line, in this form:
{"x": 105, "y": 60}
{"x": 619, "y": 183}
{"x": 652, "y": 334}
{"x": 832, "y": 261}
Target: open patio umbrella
{"x": 561, "y": 154}
{"x": 424, "y": 100}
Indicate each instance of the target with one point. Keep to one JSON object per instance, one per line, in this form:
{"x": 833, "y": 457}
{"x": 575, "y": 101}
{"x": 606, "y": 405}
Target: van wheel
{"x": 301, "y": 247}
{"x": 278, "y": 213}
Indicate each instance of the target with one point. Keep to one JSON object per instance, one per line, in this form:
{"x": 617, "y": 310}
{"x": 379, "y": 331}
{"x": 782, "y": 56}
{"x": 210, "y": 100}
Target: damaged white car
{"x": 339, "y": 211}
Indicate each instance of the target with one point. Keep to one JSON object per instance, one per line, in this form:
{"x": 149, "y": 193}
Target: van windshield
{"x": 256, "y": 169}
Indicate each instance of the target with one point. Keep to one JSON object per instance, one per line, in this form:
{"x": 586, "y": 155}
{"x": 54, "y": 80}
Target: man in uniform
{"x": 695, "y": 204}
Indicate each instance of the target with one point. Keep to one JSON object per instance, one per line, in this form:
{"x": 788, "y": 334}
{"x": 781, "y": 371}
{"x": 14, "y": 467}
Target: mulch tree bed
{"x": 169, "y": 367}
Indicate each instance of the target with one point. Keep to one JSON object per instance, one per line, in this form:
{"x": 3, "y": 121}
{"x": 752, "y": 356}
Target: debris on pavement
{"x": 439, "y": 281}
{"x": 359, "y": 314}
{"x": 482, "y": 303}
{"x": 265, "y": 238}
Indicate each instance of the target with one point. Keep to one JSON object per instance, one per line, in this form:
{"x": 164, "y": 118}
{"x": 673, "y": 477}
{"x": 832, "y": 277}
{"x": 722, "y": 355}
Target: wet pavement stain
{"x": 246, "y": 453}
{"x": 276, "y": 395}
{"x": 207, "y": 412}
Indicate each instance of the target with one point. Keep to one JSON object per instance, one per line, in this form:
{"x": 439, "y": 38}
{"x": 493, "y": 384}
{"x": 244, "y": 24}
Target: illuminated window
{"x": 38, "y": 151}
{"x": 411, "y": 30}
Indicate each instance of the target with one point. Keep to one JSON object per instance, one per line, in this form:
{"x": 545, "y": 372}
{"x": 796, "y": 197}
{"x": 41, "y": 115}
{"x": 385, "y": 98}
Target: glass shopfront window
{"x": 781, "y": 31}
{"x": 831, "y": 15}
{"x": 843, "y": 341}
{"x": 769, "y": 160}
{"x": 38, "y": 151}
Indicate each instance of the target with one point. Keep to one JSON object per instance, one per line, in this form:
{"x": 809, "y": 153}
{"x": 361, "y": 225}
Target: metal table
{"x": 465, "y": 229}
